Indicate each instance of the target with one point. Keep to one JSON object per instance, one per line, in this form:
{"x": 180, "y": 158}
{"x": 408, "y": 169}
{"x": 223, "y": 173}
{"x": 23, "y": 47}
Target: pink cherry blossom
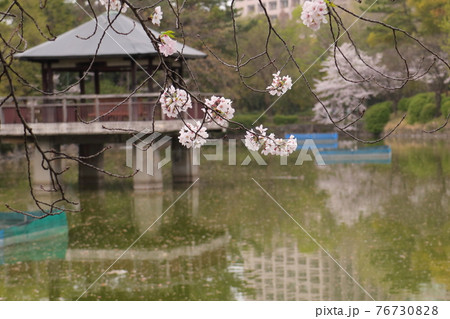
{"x": 219, "y": 110}
{"x": 167, "y": 45}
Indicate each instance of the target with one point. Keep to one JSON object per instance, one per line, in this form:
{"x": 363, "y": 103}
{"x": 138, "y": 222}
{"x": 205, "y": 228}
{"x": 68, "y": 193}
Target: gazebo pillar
{"x": 48, "y": 113}
{"x": 150, "y": 83}
{"x": 97, "y": 81}
{"x": 47, "y": 77}
{"x": 134, "y": 110}
{"x": 82, "y": 83}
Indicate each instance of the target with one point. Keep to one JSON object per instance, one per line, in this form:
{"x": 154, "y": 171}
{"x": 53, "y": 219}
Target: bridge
{"x": 64, "y": 119}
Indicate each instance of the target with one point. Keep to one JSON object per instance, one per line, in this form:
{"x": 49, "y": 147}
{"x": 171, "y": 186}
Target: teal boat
{"x": 24, "y": 238}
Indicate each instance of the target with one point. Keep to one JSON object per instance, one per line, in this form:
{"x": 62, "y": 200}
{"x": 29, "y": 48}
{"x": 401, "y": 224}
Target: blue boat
{"x": 321, "y": 140}
{"x": 367, "y": 155}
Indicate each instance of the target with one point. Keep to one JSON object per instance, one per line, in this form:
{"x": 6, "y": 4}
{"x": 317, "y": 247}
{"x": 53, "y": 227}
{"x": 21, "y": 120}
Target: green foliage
{"x": 445, "y": 108}
{"x": 427, "y": 113}
{"x": 377, "y": 116}
{"x": 403, "y": 104}
{"x": 55, "y": 18}
{"x": 5, "y": 148}
{"x": 248, "y": 119}
{"x": 280, "y": 119}
{"x": 416, "y": 104}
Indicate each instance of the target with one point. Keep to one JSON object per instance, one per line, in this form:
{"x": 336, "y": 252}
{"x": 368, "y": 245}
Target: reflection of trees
{"x": 408, "y": 240}
{"x": 396, "y": 249}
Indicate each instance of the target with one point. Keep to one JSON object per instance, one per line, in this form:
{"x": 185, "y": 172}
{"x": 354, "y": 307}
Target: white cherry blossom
{"x": 157, "y": 16}
{"x": 252, "y": 141}
{"x": 269, "y": 144}
{"x": 280, "y": 85}
{"x": 279, "y": 146}
{"x": 114, "y": 5}
{"x": 219, "y": 110}
{"x": 314, "y": 13}
{"x": 174, "y": 101}
{"x": 193, "y": 135}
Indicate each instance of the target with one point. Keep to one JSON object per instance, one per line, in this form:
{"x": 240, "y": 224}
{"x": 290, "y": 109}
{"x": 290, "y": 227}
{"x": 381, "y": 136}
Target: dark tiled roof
{"x": 69, "y": 45}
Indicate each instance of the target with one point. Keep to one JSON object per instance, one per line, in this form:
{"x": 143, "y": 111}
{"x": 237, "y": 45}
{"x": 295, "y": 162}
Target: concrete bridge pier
{"x": 88, "y": 177}
{"x": 147, "y": 178}
{"x": 183, "y": 170}
{"x": 40, "y": 176}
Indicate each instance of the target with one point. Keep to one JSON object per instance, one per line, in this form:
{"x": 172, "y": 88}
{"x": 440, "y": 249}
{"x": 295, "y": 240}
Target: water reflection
{"x": 387, "y": 225}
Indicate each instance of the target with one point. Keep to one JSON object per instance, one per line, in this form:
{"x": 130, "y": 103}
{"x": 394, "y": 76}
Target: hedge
{"x": 445, "y": 108}
{"x": 248, "y": 119}
{"x": 280, "y": 119}
{"x": 427, "y": 113}
{"x": 403, "y": 104}
{"x": 377, "y": 116}
{"x": 416, "y": 104}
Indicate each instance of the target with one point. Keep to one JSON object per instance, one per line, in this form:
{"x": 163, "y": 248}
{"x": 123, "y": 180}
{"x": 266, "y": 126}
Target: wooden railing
{"x": 70, "y": 108}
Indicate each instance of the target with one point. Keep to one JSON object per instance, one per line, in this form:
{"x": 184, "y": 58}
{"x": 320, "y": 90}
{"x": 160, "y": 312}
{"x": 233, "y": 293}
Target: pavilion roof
{"x": 130, "y": 39}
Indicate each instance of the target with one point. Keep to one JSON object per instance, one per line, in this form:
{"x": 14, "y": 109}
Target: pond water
{"x": 227, "y": 238}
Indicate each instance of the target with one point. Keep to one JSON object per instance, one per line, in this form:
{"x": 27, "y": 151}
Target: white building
{"x": 275, "y": 8}
{"x": 281, "y": 9}
{"x": 288, "y": 274}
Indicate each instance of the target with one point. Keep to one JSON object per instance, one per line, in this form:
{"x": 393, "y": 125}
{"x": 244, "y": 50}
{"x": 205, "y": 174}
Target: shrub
{"x": 377, "y": 116}
{"x": 416, "y": 104}
{"x": 445, "y": 108}
{"x": 248, "y": 119}
{"x": 445, "y": 98}
{"x": 427, "y": 113}
{"x": 280, "y": 119}
{"x": 403, "y": 104}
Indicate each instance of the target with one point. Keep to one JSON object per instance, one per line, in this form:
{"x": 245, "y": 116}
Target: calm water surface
{"x": 226, "y": 239}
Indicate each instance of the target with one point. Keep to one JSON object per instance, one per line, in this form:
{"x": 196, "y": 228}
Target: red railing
{"x": 69, "y": 108}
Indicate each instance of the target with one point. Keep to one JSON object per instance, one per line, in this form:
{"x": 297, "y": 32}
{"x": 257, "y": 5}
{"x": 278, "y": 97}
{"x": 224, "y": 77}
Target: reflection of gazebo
{"x": 125, "y": 47}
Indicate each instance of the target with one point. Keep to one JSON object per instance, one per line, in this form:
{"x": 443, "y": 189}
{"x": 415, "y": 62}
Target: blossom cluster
{"x": 313, "y": 13}
{"x": 167, "y": 46}
{"x": 114, "y": 5}
{"x": 193, "y": 135}
{"x": 219, "y": 110}
{"x": 174, "y": 101}
{"x": 157, "y": 16}
{"x": 280, "y": 85}
{"x": 269, "y": 144}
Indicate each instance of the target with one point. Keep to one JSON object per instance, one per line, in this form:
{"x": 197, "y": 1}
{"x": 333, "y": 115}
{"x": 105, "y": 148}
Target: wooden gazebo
{"x": 125, "y": 47}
